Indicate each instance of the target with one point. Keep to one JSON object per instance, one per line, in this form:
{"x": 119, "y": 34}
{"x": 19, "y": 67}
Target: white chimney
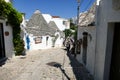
{"x": 8, "y": 0}
{"x": 98, "y": 2}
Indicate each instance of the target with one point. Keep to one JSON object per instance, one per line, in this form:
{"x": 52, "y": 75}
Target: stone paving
{"x": 51, "y": 64}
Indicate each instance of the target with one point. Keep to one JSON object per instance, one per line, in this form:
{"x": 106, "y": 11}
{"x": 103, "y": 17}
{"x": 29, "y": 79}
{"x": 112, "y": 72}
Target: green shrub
{"x": 14, "y": 18}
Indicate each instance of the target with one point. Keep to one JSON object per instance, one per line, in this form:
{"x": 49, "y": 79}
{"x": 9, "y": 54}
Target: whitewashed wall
{"x": 105, "y": 14}
{"x": 47, "y": 17}
{"x": 58, "y": 21}
{"x": 9, "y": 49}
{"x": 59, "y": 41}
{"x": 42, "y": 45}
{"x": 91, "y": 30}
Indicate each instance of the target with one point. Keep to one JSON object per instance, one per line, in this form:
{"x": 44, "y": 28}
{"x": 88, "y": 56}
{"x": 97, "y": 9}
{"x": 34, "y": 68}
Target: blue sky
{"x": 62, "y": 8}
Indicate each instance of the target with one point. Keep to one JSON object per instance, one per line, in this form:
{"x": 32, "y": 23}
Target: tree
{"x": 73, "y": 27}
{"x": 67, "y": 32}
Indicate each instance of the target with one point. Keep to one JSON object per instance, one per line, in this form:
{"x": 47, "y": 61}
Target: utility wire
{"x": 81, "y": 2}
{"x": 89, "y": 4}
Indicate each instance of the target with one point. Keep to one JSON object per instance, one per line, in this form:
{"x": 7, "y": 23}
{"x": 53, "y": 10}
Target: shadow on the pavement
{"x": 79, "y": 70}
{"x": 58, "y": 65}
{"x": 3, "y": 61}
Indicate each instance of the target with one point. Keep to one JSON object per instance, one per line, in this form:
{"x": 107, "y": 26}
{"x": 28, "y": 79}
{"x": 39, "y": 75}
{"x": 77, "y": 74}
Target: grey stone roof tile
{"x": 37, "y": 25}
{"x": 53, "y": 25}
{"x": 88, "y": 17}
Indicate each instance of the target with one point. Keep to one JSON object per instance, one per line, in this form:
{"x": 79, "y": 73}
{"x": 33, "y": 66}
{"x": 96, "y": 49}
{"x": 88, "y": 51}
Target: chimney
{"x": 8, "y": 1}
{"x": 23, "y": 16}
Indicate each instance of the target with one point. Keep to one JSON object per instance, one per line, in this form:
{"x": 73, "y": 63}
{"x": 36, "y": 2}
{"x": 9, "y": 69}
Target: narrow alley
{"x": 51, "y": 64}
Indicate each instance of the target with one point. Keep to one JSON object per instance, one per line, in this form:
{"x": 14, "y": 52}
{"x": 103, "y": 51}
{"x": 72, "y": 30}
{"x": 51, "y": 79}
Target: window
{"x": 38, "y": 40}
{"x": 64, "y": 22}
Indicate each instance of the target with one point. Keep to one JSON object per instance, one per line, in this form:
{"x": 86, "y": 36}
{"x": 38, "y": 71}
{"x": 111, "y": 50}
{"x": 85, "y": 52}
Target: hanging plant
{"x": 14, "y": 19}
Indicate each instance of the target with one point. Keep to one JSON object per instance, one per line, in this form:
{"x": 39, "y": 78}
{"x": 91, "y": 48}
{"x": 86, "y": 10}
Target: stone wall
{"x": 116, "y": 4}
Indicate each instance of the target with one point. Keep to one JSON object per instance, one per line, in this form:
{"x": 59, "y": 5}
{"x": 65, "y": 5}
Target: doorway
{"x": 2, "y": 48}
{"x": 115, "y": 59}
{"x": 84, "y": 44}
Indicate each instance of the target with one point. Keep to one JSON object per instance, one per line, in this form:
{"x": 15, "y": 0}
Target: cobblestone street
{"x": 51, "y": 64}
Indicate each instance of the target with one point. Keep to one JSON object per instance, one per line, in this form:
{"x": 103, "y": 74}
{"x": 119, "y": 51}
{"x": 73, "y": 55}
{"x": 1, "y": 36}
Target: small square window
{"x": 64, "y": 22}
{"x": 38, "y": 40}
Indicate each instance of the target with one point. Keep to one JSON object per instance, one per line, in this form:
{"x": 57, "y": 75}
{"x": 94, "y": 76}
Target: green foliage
{"x": 72, "y": 31}
{"x": 67, "y": 32}
{"x": 19, "y": 46}
{"x": 14, "y": 18}
{"x": 73, "y": 26}
{"x": 75, "y": 35}
{"x": 5, "y": 8}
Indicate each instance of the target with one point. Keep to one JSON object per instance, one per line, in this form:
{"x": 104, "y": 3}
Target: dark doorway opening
{"x": 2, "y": 48}
{"x": 84, "y": 44}
{"x": 115, "y": 60}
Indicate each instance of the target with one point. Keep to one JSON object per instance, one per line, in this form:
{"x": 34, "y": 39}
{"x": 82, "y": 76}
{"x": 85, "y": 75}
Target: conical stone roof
{"x": 53, "y": 26}
{"x": 37, "y": 25}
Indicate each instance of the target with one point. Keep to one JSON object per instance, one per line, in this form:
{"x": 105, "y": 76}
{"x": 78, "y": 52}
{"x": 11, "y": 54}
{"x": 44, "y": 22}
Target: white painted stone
{"x": 105, "y": 14}
{"x": 59, "y": 21}
{"x": 8, "y": 40}
{"x": 91, "y": 30}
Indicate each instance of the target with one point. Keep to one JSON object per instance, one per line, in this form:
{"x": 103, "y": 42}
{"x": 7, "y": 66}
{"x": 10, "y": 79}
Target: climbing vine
{"x": 14, "y": 18}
